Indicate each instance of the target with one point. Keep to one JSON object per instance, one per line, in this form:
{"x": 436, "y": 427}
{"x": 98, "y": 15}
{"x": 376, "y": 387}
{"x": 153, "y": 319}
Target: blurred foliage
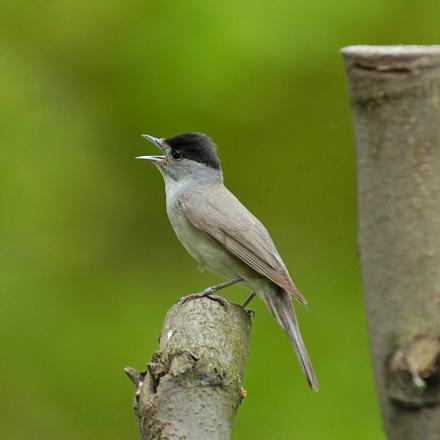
{"x": 88, "y": 262}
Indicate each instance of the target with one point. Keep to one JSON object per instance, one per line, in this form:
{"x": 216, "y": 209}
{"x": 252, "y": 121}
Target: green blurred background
{"x": 88, "y": 262}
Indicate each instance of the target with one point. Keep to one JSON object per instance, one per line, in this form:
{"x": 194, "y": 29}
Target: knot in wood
{"x": 414, "y": 374}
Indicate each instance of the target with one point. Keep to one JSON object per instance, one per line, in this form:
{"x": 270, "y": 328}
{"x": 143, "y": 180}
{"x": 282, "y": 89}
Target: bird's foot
{"x": 207, "y": 293}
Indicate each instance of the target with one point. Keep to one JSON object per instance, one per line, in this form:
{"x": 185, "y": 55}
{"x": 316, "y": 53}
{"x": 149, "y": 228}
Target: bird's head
{"x": 186, "y": 155}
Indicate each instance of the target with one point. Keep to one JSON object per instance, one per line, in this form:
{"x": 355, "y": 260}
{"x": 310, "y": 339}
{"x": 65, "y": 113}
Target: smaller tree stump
{"x": 192, "y": 387}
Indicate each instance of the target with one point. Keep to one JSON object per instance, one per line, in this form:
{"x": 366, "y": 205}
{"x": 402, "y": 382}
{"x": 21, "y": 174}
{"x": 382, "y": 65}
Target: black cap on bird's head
{"x": 197, "y": 147}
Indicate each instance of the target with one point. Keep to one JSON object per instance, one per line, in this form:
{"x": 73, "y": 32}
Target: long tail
{"x": 280, "y": 305}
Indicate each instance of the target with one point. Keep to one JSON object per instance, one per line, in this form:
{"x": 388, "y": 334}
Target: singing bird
{"x": 222, "y": 235}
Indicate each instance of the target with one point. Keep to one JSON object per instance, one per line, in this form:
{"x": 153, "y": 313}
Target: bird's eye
{"x": 176, "y": 154}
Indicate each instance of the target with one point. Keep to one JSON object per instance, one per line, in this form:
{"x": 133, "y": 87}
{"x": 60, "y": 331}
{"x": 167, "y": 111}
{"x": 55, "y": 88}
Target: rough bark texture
{"x": 395, "y": 96}
{"x": 192, "y": 386}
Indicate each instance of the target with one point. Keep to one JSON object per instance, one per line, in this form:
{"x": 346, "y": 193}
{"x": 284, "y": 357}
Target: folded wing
{"x": 220, "y": 215}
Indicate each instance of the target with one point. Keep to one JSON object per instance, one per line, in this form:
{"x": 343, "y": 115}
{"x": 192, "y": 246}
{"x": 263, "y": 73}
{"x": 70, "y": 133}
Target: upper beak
{"x": 157, "y": 142}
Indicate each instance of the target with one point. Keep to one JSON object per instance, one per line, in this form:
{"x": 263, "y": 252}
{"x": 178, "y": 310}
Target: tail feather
{"x": 280, "y": 304}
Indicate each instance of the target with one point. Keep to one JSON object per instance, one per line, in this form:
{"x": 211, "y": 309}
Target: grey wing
{"x": 218, "y": 213}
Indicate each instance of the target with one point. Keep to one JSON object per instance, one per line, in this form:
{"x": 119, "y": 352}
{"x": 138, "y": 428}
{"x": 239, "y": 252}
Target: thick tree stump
{"x": 395, "y": 96}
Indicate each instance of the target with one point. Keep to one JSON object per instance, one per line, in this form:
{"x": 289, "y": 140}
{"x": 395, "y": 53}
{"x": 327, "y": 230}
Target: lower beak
{"x": 155, "y": 159}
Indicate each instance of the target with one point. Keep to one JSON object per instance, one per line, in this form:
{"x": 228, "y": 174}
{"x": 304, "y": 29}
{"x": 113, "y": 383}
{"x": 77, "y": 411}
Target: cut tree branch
{"x": 192, "y": 387}
{"x": 395, "y": 96}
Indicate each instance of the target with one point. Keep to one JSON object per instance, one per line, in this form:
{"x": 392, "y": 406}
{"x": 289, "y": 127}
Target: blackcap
{"x": 222, "y": 235}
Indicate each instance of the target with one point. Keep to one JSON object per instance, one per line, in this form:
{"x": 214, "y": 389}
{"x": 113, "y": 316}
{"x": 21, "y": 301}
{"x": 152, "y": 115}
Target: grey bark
{"x": 395, "y": 97}
{"x": 192, "y": 387}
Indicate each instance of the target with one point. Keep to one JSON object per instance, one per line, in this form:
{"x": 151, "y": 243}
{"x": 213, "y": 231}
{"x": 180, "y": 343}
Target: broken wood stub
{"x": 192, "y": 387}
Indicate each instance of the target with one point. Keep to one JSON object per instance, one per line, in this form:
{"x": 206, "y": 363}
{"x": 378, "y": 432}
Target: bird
{"x": 222, "y": 235}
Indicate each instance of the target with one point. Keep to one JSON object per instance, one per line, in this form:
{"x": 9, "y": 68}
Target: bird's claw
{"x": 219, "y": 299}
{"x": 187, "y": 298}
{"x": 207, "y": 293}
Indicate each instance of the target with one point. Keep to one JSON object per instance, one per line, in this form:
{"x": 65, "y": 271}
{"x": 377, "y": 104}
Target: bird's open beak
{"x": 159, "y": 160}
{"x": 156, "y": 159}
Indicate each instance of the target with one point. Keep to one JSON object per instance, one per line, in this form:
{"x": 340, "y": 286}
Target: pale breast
{"x": 207, "y": 252}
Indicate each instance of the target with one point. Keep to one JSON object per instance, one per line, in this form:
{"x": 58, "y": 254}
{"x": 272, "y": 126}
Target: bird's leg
{"x": 249, "y": 299}
{"x": 209, "y": 292}
{"x": 217, "y": 287}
